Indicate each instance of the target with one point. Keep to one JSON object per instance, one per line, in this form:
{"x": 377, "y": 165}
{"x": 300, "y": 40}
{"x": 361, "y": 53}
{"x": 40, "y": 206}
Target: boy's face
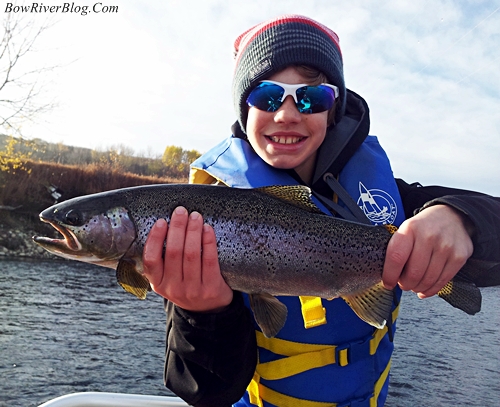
{"x": 286, "y": 138}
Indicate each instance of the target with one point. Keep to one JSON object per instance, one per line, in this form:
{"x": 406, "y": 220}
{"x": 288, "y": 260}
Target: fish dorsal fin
{"x": 297, "y": 195}
{"x": 131, "y": 280}
{"x": 373, "y": 305}
{"x": 270, "y": 314}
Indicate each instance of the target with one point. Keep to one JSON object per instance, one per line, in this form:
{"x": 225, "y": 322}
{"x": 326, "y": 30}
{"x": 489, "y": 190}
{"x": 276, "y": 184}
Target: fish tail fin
{"x": 373, "y": 305}
{"x": 462, "y": 291}
{"x": 463, "y": 295}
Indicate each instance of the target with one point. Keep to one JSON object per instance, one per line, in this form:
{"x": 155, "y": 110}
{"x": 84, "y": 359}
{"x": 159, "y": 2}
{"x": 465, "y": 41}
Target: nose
{"x": 288, "y": 112}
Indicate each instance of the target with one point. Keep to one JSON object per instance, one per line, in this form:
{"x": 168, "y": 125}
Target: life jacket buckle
{"x": 353, "y": 352}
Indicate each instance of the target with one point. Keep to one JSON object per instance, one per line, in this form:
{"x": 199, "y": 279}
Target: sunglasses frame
{"x": 292, "y": 91}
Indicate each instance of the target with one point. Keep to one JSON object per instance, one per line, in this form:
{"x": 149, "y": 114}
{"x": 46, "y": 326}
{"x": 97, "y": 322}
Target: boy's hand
{"x": 427, "y": 251}
{"x": 189, "y": 276}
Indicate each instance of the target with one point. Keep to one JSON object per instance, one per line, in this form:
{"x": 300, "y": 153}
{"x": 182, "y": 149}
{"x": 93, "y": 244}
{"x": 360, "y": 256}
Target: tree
{"x": 178, "y": 160}
{"x": 15, "y": 154}
{"x": 172, "y": 157}
{"x": 21, "y": 84}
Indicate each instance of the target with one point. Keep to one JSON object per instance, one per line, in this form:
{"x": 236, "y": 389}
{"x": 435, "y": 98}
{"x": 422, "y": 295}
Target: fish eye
{"x": 73, "y": 218}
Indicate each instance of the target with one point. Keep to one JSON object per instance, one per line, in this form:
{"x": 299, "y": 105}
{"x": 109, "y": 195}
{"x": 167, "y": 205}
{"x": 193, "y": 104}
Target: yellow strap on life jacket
{"x": 199, "y": 176}
{"x": 379, "y": 384}
{"x": 301, "y": 357}
{"x": 258, "y": 392}
{"x": 313, "y": 312}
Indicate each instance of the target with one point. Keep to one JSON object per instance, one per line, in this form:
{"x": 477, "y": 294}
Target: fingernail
{"x": 180, "y": 210}
{"x": 195, "y": 215}
{"x": 161, "y": 223}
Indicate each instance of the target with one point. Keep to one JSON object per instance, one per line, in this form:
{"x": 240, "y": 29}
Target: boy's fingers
{"x": 152, "y": 256}
{"x": 192, "y": 249}
{"x": 175, "y": 245}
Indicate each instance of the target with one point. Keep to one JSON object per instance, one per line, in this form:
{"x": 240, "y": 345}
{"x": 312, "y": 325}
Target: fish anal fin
{"x": 131, "y": 280}
{"x": 373, "y": 305}
{"x": 270, "y": 314}
{"x": 463, "y": 295}
{"x": 297, "y": 195}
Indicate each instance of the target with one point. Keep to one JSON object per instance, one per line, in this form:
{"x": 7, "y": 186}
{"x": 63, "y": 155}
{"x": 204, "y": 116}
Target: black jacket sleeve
{"x": 210, "y": 357}
{"x": 482, "y": 210}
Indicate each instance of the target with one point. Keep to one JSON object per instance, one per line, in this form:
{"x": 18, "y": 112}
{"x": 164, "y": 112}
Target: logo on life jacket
{"x": 377, "y": 205}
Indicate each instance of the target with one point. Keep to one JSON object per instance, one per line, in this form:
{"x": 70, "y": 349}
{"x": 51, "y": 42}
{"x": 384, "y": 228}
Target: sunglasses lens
{"x": 266, "y": 97}
{"x": 310, "y": 99}
{"x": 314, "y": 99}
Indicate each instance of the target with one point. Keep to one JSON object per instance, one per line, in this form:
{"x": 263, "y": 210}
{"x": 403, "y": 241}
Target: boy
{"x": 314, "y": 134}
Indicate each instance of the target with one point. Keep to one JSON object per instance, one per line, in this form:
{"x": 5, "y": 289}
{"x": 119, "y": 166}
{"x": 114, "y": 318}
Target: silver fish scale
{"x": 266, "y": 245}
{"x": 263, "y": 241}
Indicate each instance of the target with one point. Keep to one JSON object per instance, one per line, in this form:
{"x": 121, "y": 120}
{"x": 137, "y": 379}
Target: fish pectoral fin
{"x": 463, "y": 295}
{"x": 269, "y": 313}
{"x": 297, "y": 195}
{"x": 131, "y": 280}
{"x": 373, "y": 305}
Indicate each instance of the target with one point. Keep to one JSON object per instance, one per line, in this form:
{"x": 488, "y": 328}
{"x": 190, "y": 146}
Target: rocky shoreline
{"x": 18, "y": 242}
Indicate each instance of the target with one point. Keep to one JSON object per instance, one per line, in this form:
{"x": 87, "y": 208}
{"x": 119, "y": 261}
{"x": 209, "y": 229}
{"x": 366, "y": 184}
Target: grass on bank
{"x": 26, "y": 188}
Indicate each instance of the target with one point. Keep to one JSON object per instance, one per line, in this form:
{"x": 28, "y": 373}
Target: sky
{"x": 156, "y": 73}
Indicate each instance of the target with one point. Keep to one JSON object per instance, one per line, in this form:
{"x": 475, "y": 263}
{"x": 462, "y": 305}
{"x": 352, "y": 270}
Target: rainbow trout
{"x": 271, "y": 241}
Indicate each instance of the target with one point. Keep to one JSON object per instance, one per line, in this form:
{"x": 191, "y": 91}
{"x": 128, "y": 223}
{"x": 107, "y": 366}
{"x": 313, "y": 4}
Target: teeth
{"x": 285, "y": 140}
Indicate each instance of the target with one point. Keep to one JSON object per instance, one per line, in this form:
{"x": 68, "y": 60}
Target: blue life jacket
{"x": 325, "y": 355}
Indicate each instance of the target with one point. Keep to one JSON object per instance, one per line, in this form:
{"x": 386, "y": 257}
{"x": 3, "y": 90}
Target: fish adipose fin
{"x": 270, "y": 314}
{"x": 132, "y": 281}
{"x": 297, "y": 195}
{"x": 373, "y": 305}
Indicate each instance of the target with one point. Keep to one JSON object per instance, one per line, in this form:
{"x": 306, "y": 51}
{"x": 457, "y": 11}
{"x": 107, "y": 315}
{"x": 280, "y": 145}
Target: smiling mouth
{"x": 286, "y": 140}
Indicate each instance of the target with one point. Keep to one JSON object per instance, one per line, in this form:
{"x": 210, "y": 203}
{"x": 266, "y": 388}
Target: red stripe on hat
{"x": 281, "y": 20}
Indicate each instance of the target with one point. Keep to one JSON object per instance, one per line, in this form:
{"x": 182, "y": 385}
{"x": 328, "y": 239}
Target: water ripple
{"x": 68, "y": 327}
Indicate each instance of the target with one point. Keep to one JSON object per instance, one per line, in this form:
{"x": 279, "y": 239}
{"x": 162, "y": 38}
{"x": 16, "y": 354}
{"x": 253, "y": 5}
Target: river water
{"x": 68, "y": 327}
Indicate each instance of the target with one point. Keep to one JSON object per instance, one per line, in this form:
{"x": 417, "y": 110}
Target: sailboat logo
{"x": 377, "y": 205}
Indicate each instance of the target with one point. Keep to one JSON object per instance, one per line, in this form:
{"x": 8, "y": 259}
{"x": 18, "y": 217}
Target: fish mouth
{"x": 68, "y": 244}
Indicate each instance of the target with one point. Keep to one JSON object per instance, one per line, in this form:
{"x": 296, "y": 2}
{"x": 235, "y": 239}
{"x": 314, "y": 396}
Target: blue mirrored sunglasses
{"x": 270, "y": 95}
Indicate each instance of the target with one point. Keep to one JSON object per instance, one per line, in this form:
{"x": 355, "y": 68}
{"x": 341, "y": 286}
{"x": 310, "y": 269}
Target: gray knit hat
{"x": 271, "y": 46}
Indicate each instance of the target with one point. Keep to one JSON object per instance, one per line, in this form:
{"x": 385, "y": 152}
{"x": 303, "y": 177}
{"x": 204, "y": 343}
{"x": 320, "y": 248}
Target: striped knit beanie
{"x": 271, "y": 46}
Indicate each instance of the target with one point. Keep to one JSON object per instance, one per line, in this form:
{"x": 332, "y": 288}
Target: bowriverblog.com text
{"x": 62, "y": 8}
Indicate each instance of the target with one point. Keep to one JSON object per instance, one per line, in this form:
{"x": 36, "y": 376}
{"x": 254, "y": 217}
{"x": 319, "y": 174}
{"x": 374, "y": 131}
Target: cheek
{"x": 317, "y": 125}
{"x": 255, "y": 122}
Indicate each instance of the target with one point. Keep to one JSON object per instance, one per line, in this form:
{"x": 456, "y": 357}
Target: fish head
{"x": 92, "y": 231}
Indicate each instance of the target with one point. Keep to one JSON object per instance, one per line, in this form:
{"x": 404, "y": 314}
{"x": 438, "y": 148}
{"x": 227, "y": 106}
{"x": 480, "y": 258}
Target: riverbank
{"x": 16, "y": 232}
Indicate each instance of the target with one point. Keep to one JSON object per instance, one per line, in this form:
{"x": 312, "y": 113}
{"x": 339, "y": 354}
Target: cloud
{"x": 159, "y": 73}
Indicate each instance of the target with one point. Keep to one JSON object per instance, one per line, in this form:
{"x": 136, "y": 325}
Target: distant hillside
{"x": 173, "y": 163}
{"x": 54, "y": 152}
{"x": 29, "y": 169}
